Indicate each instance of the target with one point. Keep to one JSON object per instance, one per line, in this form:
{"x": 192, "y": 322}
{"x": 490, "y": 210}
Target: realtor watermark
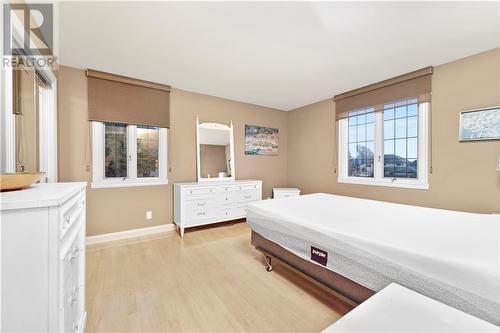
{"x": 28, "y": 36}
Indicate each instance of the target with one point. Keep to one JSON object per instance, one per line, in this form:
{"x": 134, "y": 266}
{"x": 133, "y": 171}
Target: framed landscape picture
{"x": 480, "y": 124}
{"x": 261, "y": 140}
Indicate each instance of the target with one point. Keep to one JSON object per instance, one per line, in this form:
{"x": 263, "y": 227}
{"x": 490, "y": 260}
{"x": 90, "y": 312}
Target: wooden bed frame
{"x": 341, "y": 287}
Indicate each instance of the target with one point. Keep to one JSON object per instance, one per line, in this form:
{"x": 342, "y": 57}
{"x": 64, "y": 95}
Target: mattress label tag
{"x": 318, "y": 255}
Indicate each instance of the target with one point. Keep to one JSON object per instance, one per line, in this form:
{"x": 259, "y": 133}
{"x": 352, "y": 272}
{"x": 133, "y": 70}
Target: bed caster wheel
{"x": 269, "y": 267}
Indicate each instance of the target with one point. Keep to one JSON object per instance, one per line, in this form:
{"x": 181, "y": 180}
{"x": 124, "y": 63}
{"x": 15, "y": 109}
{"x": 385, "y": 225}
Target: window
{"x": 128, "y": 155}
{"x": 387, "y": 147}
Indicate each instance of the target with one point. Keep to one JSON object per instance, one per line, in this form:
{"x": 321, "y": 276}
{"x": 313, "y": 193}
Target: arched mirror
{"x": 215, "y": 151}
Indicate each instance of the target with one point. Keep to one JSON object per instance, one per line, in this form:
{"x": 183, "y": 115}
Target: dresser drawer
{"x": 196, "y": 191}
{"x": 226, "y": 188}
{"x": 70, "y": 212}
{"x": 239, "y": 211}
{"x": 72, "y": 308}
{"x": 201, "y": 213}
{"x": 71, "y": 257}
{"x": 226, "y": 198}
{"x": 201, "y": 203}
{"x": 246, "y": 196}
{"x": 246, "y": 187}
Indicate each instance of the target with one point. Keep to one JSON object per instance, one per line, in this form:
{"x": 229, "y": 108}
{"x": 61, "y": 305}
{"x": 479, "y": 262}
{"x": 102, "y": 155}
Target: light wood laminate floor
{"x": 213, "y": 280}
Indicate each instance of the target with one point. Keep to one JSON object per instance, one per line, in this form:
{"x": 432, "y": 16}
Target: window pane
{"x": 370, "y": 131}
{"x": 401, "y": 142}
{"x": 401, "y": 128}
{"x": 361, "y": 136}
{"x": 412, "y": 168}
{"x": 147, "y": 151}
{"x": 352, "y": 133}
{"x": 388, "y": 147}
{"x": 369, "y": 149}
{"x": 401, "y": 112}
{"x": 412, "y": 127}
{"x": 362, "y": 119}
{"x": 412, "y": 110}
{"x": 389, "y": 129}
{"x": 370, "y": 117}
{"x": 352, "y": 150}
{"x": 115, "y": 150}
{"x": 400, "y": 148}
{"x": 388, "y": 114}
{"x": 361, "y": 150}
{"x": 361, "y": 132}
{"x": 412, "y": 148}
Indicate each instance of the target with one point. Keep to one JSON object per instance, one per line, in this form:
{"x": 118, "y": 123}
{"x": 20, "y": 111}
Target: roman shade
{"x": 120, "y": 99}
{"x": 416, "y": 84}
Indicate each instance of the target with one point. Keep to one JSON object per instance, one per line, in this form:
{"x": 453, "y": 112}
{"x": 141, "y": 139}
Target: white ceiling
{"x": 277, "y": 54}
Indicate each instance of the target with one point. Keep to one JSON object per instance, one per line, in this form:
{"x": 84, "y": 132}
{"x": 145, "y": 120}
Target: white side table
{"x": 285, "y": 192}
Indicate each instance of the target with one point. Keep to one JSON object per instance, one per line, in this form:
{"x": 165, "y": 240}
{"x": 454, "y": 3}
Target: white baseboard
{"x": 103, "y": 238}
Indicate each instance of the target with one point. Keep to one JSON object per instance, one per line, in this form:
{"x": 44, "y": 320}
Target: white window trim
{"x": 98, "y": 179}
{"x": 378, "y": 179}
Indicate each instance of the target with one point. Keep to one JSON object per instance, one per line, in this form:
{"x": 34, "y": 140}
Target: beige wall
{"x": 117, "y": 209}
{"x": 464, "y": 176}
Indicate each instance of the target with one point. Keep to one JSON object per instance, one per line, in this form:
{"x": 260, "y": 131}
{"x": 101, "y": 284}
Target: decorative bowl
{"x": 18, "y": 180}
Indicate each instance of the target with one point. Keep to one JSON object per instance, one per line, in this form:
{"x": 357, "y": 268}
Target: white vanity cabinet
{"x": 42, "y": 232}
{"x": 205, "y": 203}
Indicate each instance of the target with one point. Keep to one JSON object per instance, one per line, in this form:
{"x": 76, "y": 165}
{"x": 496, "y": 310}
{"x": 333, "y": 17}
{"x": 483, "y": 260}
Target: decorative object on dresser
{"x": 206, "y": 203}
{"x": 43, "y": 258}
{"x": 480, "y": 124}
{"x": 18, "y": 180}
{"x": 285, "y": 192}
{"x": 261, "y": 140}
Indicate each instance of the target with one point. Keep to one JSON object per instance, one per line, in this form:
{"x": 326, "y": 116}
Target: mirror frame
{"x": 231, "y": 143}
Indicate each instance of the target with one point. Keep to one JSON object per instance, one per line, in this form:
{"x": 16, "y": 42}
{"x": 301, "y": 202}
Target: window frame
{"x": 98, "y": 157}
{"x": 421, "y": 182}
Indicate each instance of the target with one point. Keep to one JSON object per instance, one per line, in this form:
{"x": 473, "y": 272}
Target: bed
{"x": 452, "y": 257}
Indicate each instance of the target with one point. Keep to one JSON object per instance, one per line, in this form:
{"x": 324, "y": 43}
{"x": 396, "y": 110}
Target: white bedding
{"x": 453, "y": 257}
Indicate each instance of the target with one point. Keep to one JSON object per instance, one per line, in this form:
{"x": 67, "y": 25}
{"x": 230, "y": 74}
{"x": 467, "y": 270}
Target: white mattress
{"x": 453, "y": 257}
{"x": 398, "y": 309}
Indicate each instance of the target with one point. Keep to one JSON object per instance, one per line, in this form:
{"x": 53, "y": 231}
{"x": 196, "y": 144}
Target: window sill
{"x": 127, "y": 184}
{"x": 397, "y": 184}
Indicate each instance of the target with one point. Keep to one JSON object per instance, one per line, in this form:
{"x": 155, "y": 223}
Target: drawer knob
{"x": 75, "y": 254}
{"x": 201, "y": 214}
{"x": 248, "y": 196}
{"x": 75, "y": 328}
{"x": 202, "y": 203}
{"x": 74, "y": 299}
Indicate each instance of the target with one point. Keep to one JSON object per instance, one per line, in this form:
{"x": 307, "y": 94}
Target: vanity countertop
{"x": 40, "y": 195}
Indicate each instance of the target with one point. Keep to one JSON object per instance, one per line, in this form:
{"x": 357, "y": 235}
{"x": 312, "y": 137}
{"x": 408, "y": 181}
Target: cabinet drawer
{"x": 225, "y": 189}
{"x": 70, "y": 212}
{"x": 201, "y": 203}
{"x": 72, "y": 308}
{"x": 246, "y": 187}
{"x": 240, "y": 211}
{"x": 196, "y": 191}
{"x": 71, "y": 258}
{"x": 226, "y": 213}
{"x": 201, "y": 213}
{"x": 244, "y": 196}
{"x": 226, "y": 198}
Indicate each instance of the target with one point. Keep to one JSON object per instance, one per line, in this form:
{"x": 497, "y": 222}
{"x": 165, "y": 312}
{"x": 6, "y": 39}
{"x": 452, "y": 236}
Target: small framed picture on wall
{"x": 480, "y": 124}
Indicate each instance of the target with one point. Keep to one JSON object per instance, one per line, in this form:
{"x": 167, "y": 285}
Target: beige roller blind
{"x": 116, "y": 98}
{"x": 416, "y": 84}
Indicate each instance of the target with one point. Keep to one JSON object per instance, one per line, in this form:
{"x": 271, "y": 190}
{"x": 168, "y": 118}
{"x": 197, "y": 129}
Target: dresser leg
{"x": 181, "y": 231}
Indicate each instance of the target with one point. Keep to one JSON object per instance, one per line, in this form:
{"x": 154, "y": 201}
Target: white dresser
{"x": 42, "y": 232}
{"x": 211, "y": 202}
